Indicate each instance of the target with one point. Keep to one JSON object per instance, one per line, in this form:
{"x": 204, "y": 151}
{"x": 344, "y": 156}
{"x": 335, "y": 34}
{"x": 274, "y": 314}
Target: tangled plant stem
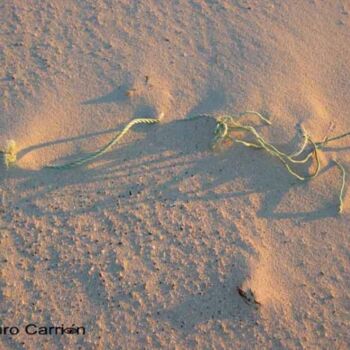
{"x": 225, "y": 125}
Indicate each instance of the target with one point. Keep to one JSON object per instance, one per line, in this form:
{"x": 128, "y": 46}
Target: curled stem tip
{"x": 342, "y": 189}
{"x": 10, "y": 154}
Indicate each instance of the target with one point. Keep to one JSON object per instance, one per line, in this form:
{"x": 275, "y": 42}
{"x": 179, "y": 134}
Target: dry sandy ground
{"x": 146, "y": 246}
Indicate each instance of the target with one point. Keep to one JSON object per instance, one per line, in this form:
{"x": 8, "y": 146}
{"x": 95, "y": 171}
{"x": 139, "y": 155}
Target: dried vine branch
{"x": 225, "y": 126}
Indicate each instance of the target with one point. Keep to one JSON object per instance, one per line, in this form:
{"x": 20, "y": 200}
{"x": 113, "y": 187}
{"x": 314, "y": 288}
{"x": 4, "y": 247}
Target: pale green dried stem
{"x": 331, "y": 139}
{"x": 105, "y": 148}
{"x": 283, "y": 157}
{"x": 230, "y": 123}
{"x": 342, "y": 189}
{"x": 225, "y": 124}
{"x": 257, "y": 114}
{"x": 10, "y": 154}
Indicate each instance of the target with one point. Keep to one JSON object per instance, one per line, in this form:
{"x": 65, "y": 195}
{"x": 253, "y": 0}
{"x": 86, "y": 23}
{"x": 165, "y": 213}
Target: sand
{"x": 146, "y": 246}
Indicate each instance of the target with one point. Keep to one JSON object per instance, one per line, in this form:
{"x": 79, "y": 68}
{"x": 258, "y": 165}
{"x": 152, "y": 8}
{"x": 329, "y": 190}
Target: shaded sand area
{"x": 146, "y": 246}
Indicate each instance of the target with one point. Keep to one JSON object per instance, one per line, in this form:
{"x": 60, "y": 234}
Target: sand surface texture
{"x": 147, "y": 245}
